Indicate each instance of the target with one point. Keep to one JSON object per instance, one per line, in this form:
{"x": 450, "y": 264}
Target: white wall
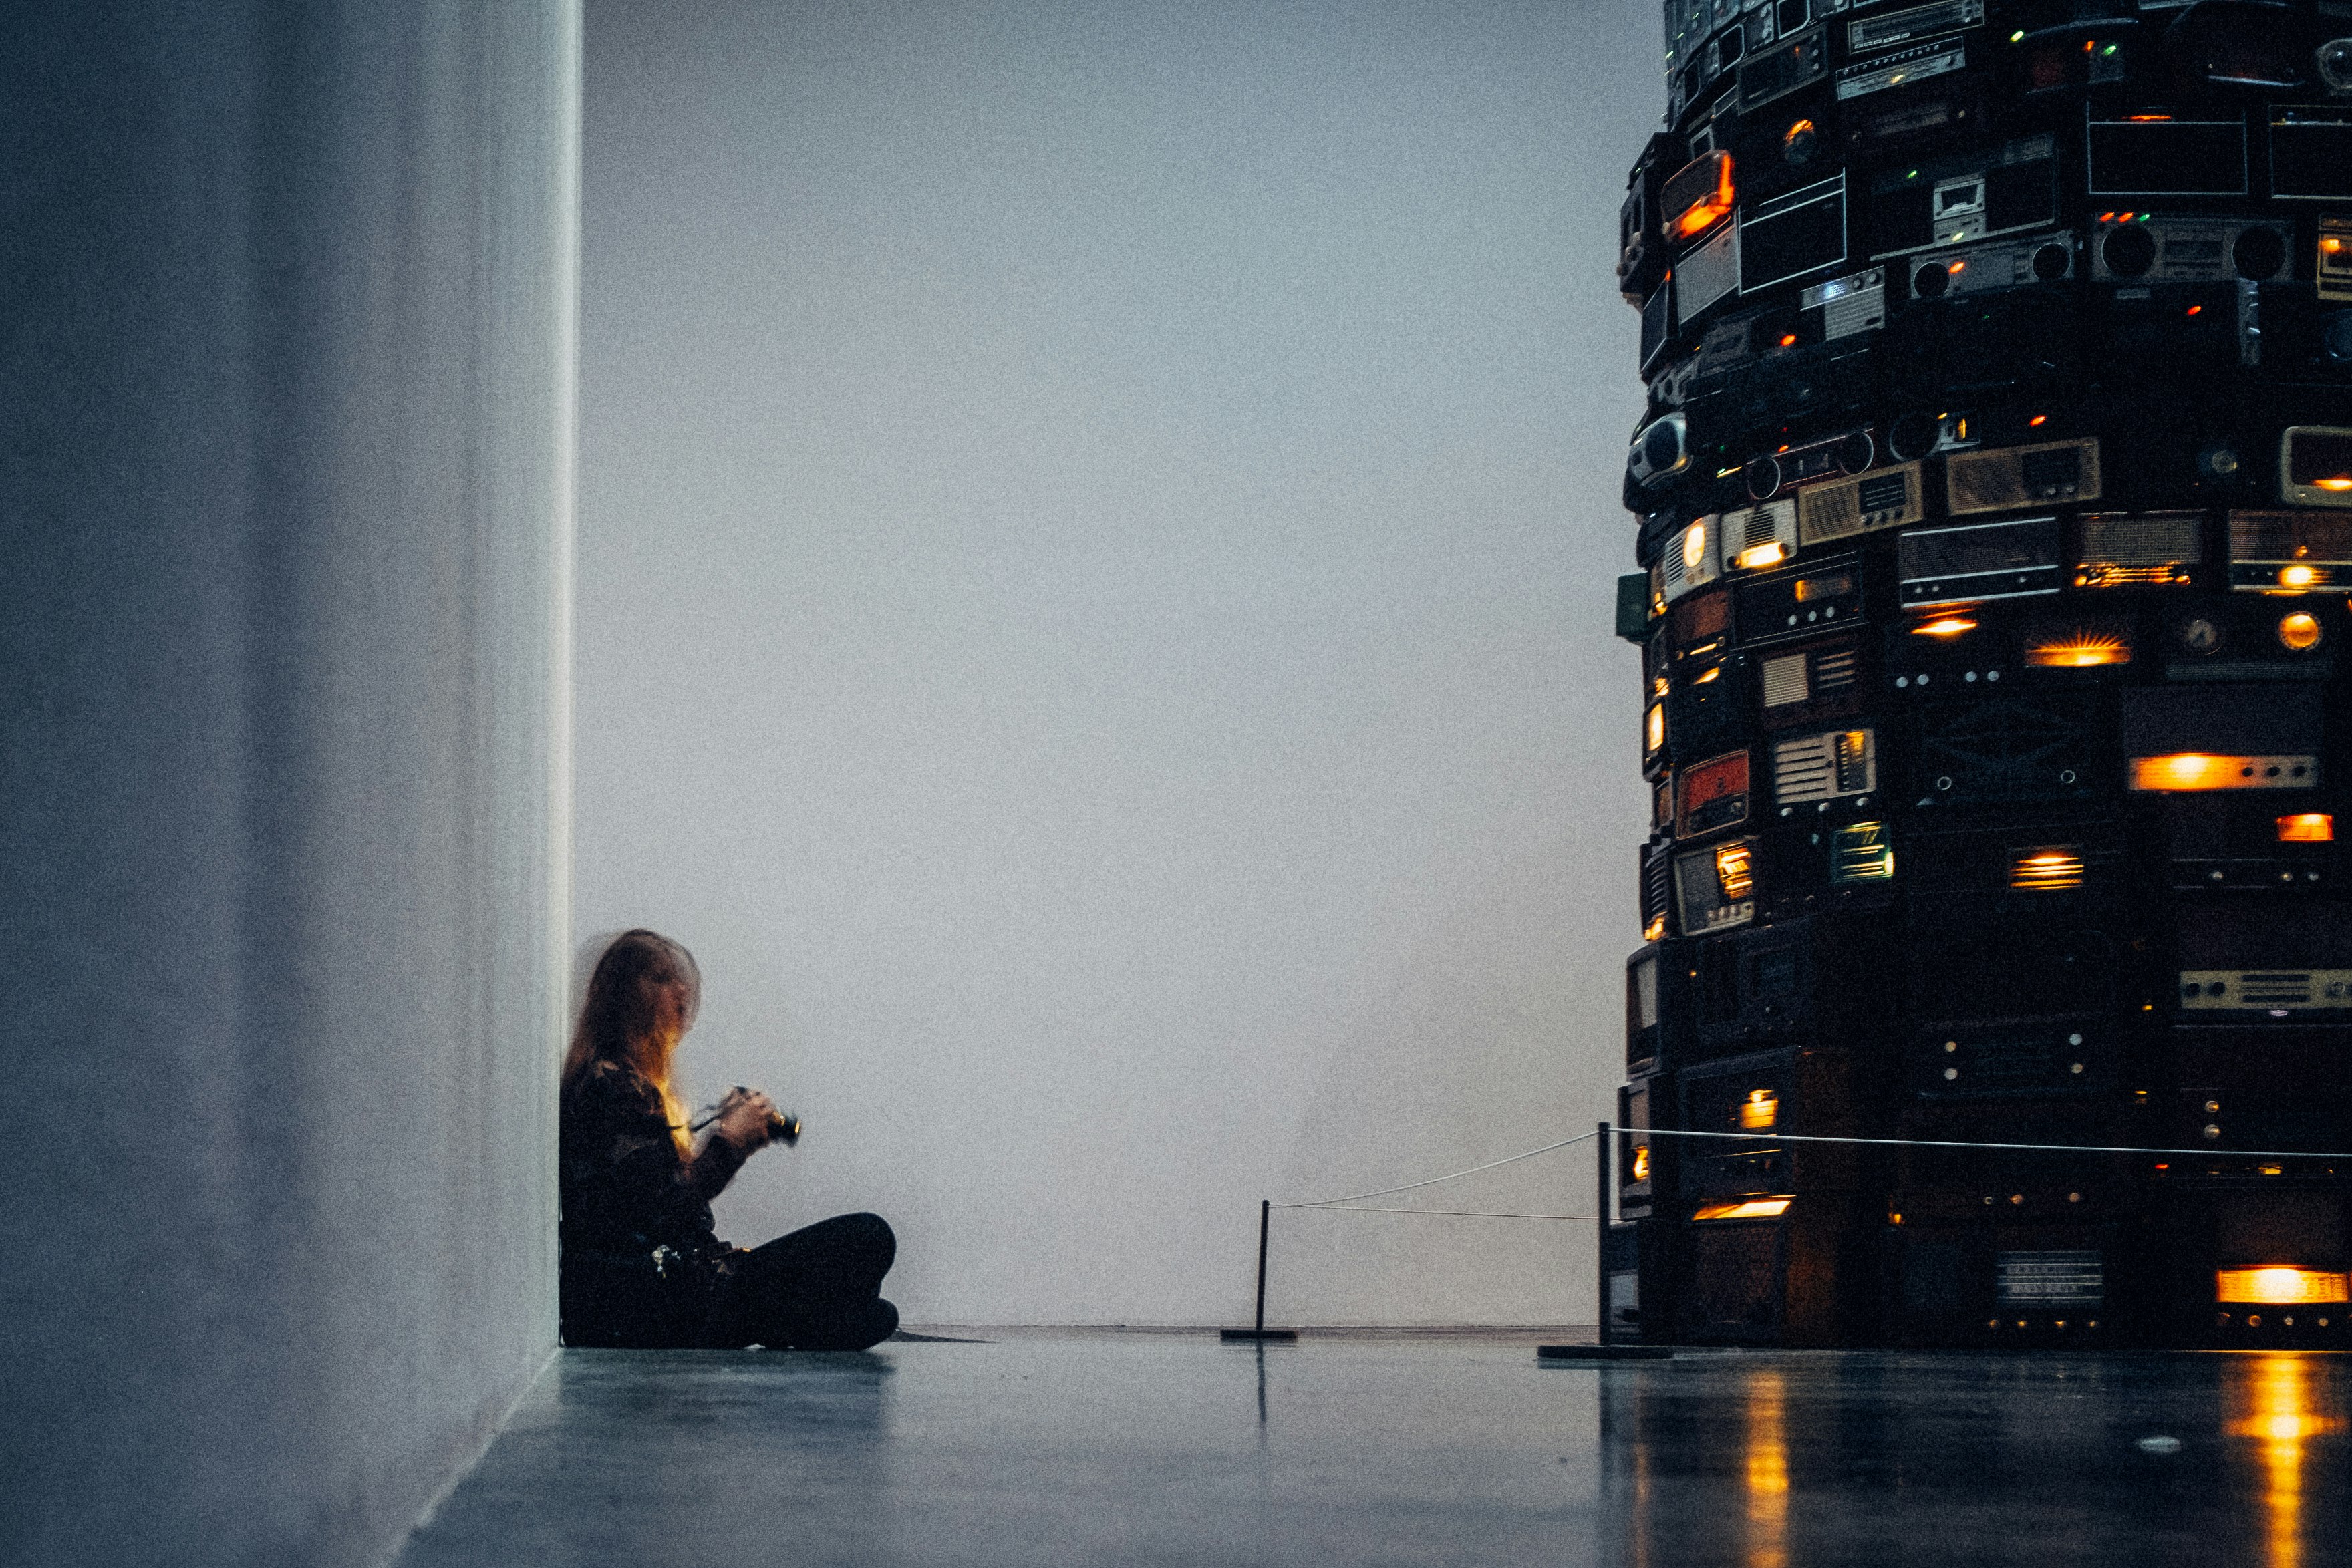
{"x": 1098, "y": 533}
{"x": 285, "y": 420}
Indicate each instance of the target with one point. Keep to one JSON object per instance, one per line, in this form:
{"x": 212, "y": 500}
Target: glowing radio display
{"x": 2278, "y": 1285}
{"x": 2185, "y": 771}
{"x": 1759, "y": 1111}
{"x": 2307, "y": 828}
{"x": 1744, "y": 1209}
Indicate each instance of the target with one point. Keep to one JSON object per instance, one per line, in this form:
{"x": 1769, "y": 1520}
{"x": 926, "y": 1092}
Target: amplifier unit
{"x": 1932, "y": 203}
{"x": 2159, "y": 154}
{"x": 2311, "y": 152}
{"x": 1711, "y": 796}
{"x": 1716, "y": 887}
{"x": 1824, "y": 596}
{"x": 1987, "y": 749}
{"x": 2136, "y": 247}
{"x": 1822, "y": 770}
{"x": 1791, "y": 61}
{"x": 1707, "y": 709}
{"x": 2139, "y": 550}
{"x": 1814, "y": 980}
{"x": 1658, "y": 328}
{"x": 2224, "y": 842}
{"x": 1812, "y": 684}
{"x": 1764, "y": 1097}
{"x": 2290, "y": 552}
{"x": 2008, "y": 478}
{"x": 1643, "y": 1163}
{"x": 2039, "y": 1057}
{"x": 1657, "y": 1005}
{"x": 1974, "y": 562}
{"x": 2316, "y": 466}
{"x": 1982, "y": 1278}
{"x": 1893, "y": 29}
{"x": 1914, "y": 67}
{"x": 2240, "y": 43}
{"x": 1707, "y": 277}
{"x": 2265, "y": 960}
{"x": 2062, "y": 61}
{"x": 1840, "y": 509}
{"x": 2213, "y": 735}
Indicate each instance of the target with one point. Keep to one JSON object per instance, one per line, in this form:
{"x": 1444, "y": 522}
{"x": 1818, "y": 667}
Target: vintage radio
{"x": 2265, "y": 960}
{"x": 2139, "y": 550}
{"x": 1998, "y": 1283}
{"x": 2072, "y": 55}
{"x": 1814, "y": 773}
{"x": 1803, "y": 1277}
{"x": 2311, "y": 152}
{"x": 1977, "y": 748}
{"x": 1698, "y": 627}
{"x": 1696, "y": 197}
{"x": 1824, "y": 596}
{"x": 2075, "y": 640}
{"x": 1936, "y": 202}
{"x": 1812, "y": 683}
{"x": 1793, "y": 236}
{"x": 2043, "y": 860}
{"x": 1974, "y": 562}
{"x": 1655, "y": 753}
{"x": 1659, "y": 325}
{"x": 1633, "y": 606}
{"x": 1839, "y": 509}
{"x": 2316, "y": 466}
{"x": 2067, "y": 1176}
{"x": 1990, "y": 267}
{"x": 2008, "y": 478}
{"x": 2333, "y": 266}
{"x": 2157, "y": 154}
{"x": 2290, "y": 552}
{"x": 1972, "y": 345}
{"x": 1914, "y": 69}
{"x": 2228, "y": 842}
{"x": 1711, "y": 796}
{"x": 1761, "y": 536}
{"x": 2181, "y": 739}
{"x": 1707, "y": 708}
{"x": 1694, "y": 560}
{"x": 1815, "y": 979}
{"x": 1761, "y": 1099}
{"x": 1707, "y": 277}
{"x": 1716, "y": 886}
{"x": 1657, "y": 889}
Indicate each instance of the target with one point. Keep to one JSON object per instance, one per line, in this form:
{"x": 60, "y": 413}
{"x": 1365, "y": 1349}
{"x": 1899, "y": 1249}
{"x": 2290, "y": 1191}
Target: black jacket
{"x": 641, "y": 1260}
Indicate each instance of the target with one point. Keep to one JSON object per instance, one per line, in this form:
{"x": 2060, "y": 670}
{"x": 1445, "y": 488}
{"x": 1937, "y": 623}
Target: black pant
{"x": 816, "y": 1289}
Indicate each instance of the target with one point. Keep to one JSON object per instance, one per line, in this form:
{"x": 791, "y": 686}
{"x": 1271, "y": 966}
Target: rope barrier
{"x": 1432, "y": 1181}
{"x": 1957, "y": 1143}
{"x": 1454, "y": 1213}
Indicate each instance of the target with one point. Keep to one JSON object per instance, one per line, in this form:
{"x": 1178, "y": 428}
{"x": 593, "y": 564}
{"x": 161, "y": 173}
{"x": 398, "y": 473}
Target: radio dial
{"x": 2130, "y": 250}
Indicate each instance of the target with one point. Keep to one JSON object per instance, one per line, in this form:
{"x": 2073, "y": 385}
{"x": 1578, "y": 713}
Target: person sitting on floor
{"x": 641, "y": 1262}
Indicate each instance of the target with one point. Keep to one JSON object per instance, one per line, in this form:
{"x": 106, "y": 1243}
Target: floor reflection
{"x": 1768, "y": 1470}
{"x": 2282, "y": 1401}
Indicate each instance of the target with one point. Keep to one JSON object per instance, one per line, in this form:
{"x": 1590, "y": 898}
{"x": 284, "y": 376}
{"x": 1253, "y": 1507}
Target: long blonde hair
{"x": 618, "y": 1024}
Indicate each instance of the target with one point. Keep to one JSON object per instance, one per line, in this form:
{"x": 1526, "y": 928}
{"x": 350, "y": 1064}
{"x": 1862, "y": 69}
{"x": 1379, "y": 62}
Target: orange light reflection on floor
{"x": 1766, "y": 1471}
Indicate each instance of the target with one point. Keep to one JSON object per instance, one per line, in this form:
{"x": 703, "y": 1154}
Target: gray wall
{"x": 1098, "y": 528}
{"x": 285, "y": 412}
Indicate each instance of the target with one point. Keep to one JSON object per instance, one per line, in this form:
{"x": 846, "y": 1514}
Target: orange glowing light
{"x": 2299, "y": 632}
{"x": 1760, "y": 1111}
{"x": 1653, "y": 728}
{"x": 2278, "y": 1285}
{"x": 2339, "y": 482}
{"x": 2331, "y": 245}
{"x": 2044, "y": 871}
{"x": 1788, "y": 339}
{"x": 1655, "y": 930}
{"x": 2080, "y": 651}
{"x": 1641, "y": 1162}
{"x": 1735, "y": 872}
{"x": 2297, "y": 576}
{"x": 2187, "y": 770}
{"x": 1713, "y": 202}
{"x": 1944, "y": 626}
{"x": 2307, "y": 828}
{"x": 2196, "y": 309}
{"x": 1769, "y": 553}
{"x": 2039, "y": 418}
{"x": 1745, "y": 1208}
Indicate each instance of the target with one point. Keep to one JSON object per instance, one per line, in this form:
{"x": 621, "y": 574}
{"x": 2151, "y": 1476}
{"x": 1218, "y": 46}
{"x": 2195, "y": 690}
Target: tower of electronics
{"x": 1994, "y": 493}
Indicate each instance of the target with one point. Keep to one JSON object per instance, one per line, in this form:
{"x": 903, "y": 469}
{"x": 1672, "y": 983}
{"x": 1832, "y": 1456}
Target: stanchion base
{"x": 1603, "y": 1353}
{"x": 1245, "y": 1335}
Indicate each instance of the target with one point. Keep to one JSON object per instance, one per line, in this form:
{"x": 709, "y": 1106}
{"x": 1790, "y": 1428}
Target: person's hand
{"x": 747, "y": 1119}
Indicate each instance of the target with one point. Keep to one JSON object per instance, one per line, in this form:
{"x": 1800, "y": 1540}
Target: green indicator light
{"x": 2018, "y": 36}
{"x": 2110, "y": 49}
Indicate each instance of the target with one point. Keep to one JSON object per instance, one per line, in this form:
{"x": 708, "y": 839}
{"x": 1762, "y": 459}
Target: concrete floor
{"x": 1100, "y": 1447}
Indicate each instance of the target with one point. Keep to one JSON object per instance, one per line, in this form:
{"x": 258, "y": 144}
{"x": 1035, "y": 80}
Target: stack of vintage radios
{"x": 1995, "y": 491}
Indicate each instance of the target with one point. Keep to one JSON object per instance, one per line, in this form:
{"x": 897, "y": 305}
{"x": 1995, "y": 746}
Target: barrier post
{"x": 1601, "y": 1195}
{"x": 1265, "y": 1213}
